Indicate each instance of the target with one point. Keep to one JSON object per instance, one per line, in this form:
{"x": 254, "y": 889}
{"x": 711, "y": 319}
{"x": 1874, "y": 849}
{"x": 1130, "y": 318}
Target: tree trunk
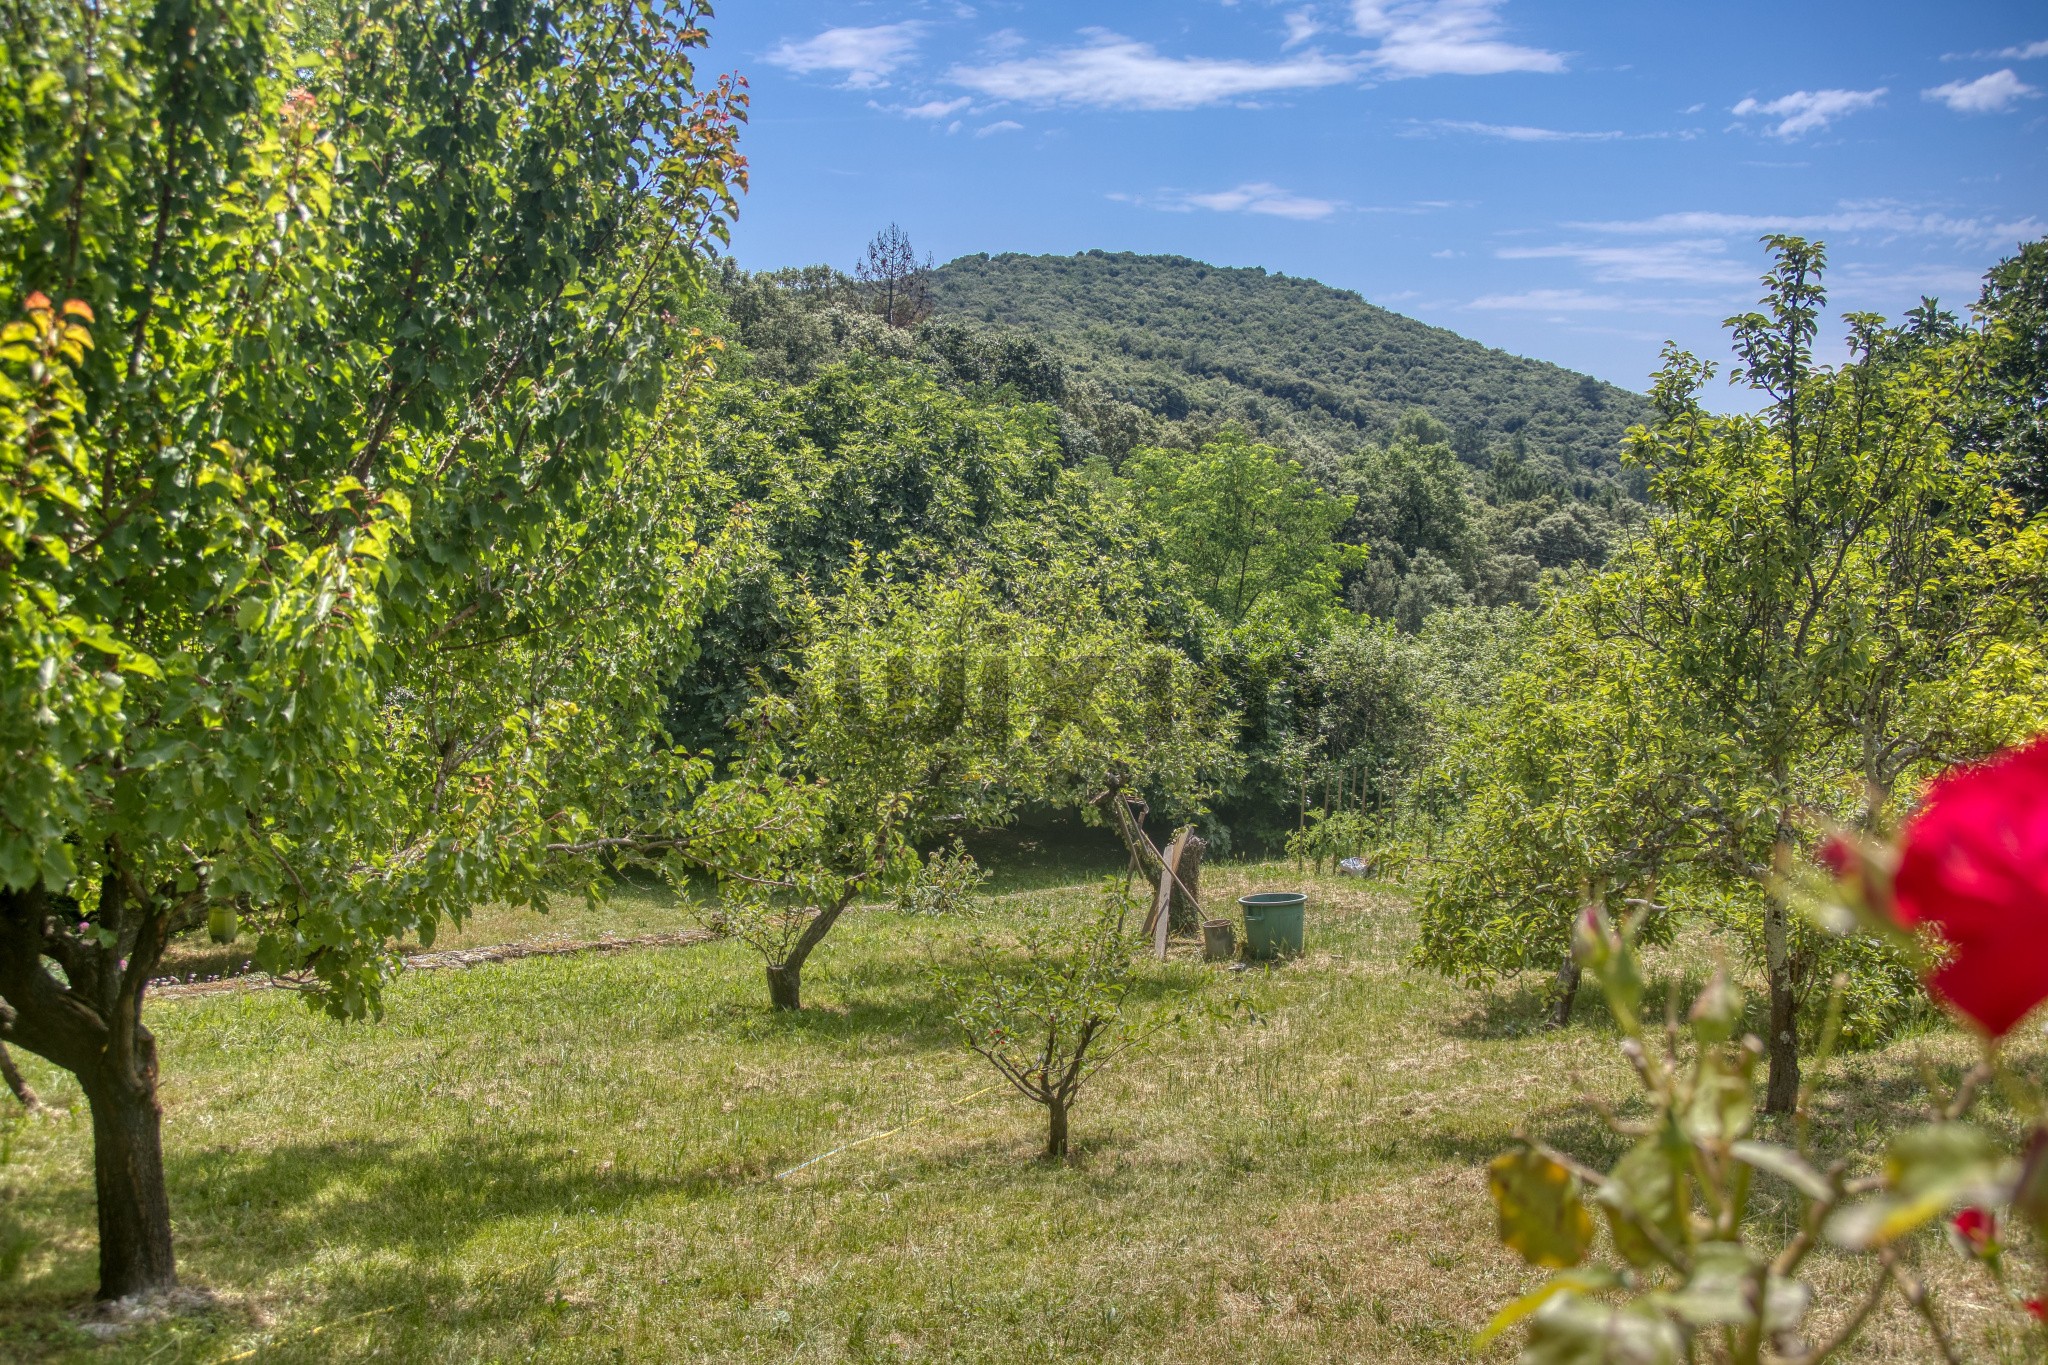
{"x": 1185, "y": 910}
{"x": 1877, "y": 781}
{"x": 90, "y": 1023}
{"x": 18, "y": 1083}
{"x": 785, "y": 978}
{"x": 1567, "y": 990}
{"x": 1055, "y": 1128}
{"x": 128, "y": 1177}
{"x": 1781, "y": 1095}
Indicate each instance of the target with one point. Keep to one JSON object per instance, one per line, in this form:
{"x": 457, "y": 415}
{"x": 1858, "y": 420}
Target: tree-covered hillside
{"x": 1317, "y": 367}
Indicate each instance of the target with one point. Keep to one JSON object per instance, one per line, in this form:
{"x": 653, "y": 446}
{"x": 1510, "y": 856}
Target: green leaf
{"x": 1542, "y": 1214}
{"x": 1721, "y": 1289}
{"x": 135, "y": 661}
{"x": 1928, "y": 1171}
{"x": 1722, "y": 1106}
{"x": 156, "y": 755}
{"x": 1717, "y": 1012}
{"x": 1644, "y": 1188}
{"x": 1572, "y": 1330}
{"x": 1785, "y": 1164}
{"x": 1590, "y": 1280}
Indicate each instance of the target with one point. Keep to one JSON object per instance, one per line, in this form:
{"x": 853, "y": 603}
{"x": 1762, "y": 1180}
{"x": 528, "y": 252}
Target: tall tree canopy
{"x": 2012, "y": 412}
{"x": 1254, "y": 535}
{"x": 335, "y": 353}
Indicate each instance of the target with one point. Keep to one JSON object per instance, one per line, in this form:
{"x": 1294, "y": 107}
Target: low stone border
{"x": 436, "y": 961}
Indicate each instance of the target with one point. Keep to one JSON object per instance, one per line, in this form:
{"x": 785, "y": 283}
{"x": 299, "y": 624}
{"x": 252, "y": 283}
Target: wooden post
{"x": 1186, "y": 908}
{"x": 1160, "y": 921}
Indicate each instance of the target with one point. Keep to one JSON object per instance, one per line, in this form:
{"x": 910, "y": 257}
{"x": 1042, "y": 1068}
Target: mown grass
{"x": 575, "y": 1159}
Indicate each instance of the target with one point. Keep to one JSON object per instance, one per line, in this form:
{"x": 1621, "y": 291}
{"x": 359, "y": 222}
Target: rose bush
{"x": 1973, "y": 865}
{"x": 1687, "y": 1271}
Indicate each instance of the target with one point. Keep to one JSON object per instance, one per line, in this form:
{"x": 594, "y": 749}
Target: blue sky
{"x": 1572, "y": 181}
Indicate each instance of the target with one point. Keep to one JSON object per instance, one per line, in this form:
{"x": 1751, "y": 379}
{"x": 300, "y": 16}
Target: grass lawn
{"x": 575, "y": 1158}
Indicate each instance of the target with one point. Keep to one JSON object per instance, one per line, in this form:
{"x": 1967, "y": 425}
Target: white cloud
{"x": 1112, "y": 71}
{"x": 1690, "y": 260}
{"x": 2024, "y": 52}
{"x": 1515, "y": 132}
{"x": 1258, "y": 197}
{"x": 1849, "y": 218}
{"x": 1561, "y": 301}
{"x": 1946, "y": 282}
{"x": 1990, "y": 94}
{"x": 1302, "y": 25}
{"x": 937, "y": 108}
{"x": 1802, "y": 111}
{"x": 1001, "y": 126}
{"x": 866, "y": 55}
{"x": 1267, "y": 199}
{"x": 1444, "y": 38}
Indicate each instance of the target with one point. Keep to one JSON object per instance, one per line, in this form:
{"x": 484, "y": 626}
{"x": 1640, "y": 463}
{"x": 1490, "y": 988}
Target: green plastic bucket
{"x": 1272, "y": 923}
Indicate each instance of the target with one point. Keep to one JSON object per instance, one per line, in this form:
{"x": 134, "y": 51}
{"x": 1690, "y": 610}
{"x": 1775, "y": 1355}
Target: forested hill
{"x": 1289, "y": 358}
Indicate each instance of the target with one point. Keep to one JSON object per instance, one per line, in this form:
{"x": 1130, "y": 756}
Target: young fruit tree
{"x": 1577, "y": 793}
{"x": 918, "y": 709}
{"x": 1047, "y": 1012}
{"x": 901, "y": 724}
{"x": 1821, "y": 562}
{"x": 343, "y": 547}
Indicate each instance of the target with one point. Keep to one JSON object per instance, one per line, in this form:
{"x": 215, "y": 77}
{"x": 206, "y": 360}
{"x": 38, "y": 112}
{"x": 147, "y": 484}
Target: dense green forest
{"x": 841, "y": 418}
{"x": 1318, "y": 369}
{"x": 1454, "y": 515}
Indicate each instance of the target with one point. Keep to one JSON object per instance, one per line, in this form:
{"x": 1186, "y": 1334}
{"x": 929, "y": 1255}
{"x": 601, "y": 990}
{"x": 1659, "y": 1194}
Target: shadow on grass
{"x": 1568, "y": 1126}
{"x": 1522, "y": 1009}
{"x": 1046, "y": 851}
{"x": 888, "y": 1026}
{"x": 860, "y": 994}
{"x": 849, "y": 996}
{"x": 382, "y": 1220}
{"x": 249, "y": 1212}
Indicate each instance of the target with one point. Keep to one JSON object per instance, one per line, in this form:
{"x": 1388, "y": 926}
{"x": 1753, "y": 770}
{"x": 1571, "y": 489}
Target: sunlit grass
{"x": 575, "y": 1159}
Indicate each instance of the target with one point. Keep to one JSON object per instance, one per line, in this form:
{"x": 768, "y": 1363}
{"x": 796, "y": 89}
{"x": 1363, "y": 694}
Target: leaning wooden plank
{"x": 1168, "y": 864}
{"x": 1160, "y": 921}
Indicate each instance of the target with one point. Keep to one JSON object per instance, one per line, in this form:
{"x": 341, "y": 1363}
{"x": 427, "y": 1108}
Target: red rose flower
{"x": 2039, "y": 1308}
{"x": 1974, "y": 1231}
{"x": 1836, "y": 856}
{"x": 1975, "y": 866}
